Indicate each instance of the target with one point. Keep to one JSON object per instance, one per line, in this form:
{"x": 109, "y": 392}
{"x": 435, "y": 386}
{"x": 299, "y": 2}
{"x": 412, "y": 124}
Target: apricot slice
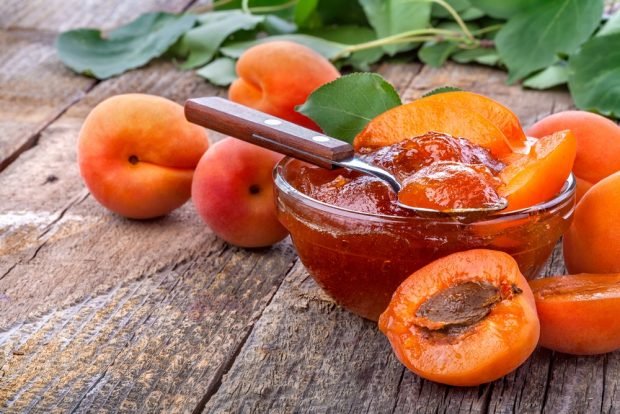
{"x": 424, "y": 115}
{"x": 538, "y": 176}
{"x": 500, "y": 116}
{"x": 598, "y": 144}
{"x": 579, "y": 313}
{"x": 465, "y": 319}
{"x": 450, "y": 185}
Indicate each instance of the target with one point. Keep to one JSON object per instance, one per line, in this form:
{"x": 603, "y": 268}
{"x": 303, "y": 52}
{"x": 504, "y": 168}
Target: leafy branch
{"x": 543, "y": 44}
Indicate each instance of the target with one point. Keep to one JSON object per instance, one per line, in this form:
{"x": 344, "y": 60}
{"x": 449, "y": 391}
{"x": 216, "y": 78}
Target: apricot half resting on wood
{"x": 137, "y": 154}
{"x": 579, "y": 313}
{"x": 465, "y": 319}
{"x": 233, "y": 193}
{"x": 275, "y": 77}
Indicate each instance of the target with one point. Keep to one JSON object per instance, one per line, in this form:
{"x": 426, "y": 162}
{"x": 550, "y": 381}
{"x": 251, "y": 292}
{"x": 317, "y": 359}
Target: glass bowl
{"x": 359, "y": 259}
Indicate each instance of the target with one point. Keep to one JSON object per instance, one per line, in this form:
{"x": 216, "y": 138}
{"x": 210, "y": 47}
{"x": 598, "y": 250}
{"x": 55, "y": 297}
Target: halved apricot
{"x": 500, "y": 116}
{"x": 536, "y": 177}
{"x": 579, "y": 313}
{"x": 465, "y": 319}
{"x": 426, "y": 115}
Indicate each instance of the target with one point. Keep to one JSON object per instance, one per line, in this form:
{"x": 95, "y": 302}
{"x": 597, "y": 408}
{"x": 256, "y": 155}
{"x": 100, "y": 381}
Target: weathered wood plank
{"x": 60, "y": 15}
{"x": 34, "y": 89}
{"x": 156, "y": 344}
{"x": 58, "y": 246}
{"x": 309, "y": 355}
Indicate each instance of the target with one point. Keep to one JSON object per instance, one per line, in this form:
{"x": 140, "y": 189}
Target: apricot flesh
{"x": 592, "y": 242}
{"x": 500, "y": 116}
{"x": 598, "y": 144}
{"x": 275, "y": 77}
{"x": 137, "y": 154}
{"x": 579, "y": 313}
{"x": 483, "y": 322}
{"x": 536, "y": 177}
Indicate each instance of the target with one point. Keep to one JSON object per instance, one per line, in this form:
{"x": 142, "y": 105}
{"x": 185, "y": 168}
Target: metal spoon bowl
{"x": 278, "y": 135}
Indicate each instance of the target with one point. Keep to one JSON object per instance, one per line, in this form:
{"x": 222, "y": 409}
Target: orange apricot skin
{"x": 592, "y": 242}
{"x": 485, "y": 352}
{"x": 538, "y": 176}
{"x": 579, "y": 313}
{"x": 425, "y": 115}
{"x": 598, "y": 144}
{"x": 152, "y": 132}
{"x": 500, "y": 116}
{"x": 276, "y": 76}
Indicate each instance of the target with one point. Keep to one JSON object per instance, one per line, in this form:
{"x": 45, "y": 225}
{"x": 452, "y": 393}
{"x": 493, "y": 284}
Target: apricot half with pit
{"x": 465, "y": 319}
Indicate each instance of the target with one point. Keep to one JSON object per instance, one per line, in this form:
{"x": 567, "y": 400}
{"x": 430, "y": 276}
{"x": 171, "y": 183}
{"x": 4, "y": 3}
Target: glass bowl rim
{"x": 567, "y": 191}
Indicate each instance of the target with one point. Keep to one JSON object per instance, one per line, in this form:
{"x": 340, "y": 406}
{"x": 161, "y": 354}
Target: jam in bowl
{"x": 359, "y": 256}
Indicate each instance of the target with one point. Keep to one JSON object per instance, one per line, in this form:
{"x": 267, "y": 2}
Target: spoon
{"x": 287, "y": 138}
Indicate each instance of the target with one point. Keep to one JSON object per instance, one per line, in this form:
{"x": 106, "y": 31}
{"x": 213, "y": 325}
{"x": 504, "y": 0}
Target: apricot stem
{"x": 269, "y": 9}
{"x": 405, "y": 37}
{"x": 456, "y": 17}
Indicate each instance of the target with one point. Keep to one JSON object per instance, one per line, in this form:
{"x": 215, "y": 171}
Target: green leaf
{"x": 275, "y": 25}
{"x": 329, "y": 50}
{"x": 442, "y": 89}
{"x": 390, "y": 17}
{"x": 303, "y": 10}
{"x": 533, "y": 38}
{"x": 612, "y": 25}
{"x": 554, "y": 75}
{"x": 149, "y": 36}
{"x": 503, "y": 9}
{"x": 482, "y": 55}
{"x": 350, "y": 35}
{"x": 435, "y": 54}
{"x": 203, "y": 41}
{"x": 594, "y": 75}
{"x": 219, "y": 72}
{"x": 341, "y": 12}
{"x": 471, "y": 13}
{"x": 342, "y": 108}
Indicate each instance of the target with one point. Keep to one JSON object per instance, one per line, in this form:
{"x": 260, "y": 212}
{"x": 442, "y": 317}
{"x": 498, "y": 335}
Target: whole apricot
{"x": 233, "y": 193}
{"x": 598, "y": 144}
{"x": 137, "y": 154}
{"x": 592, "y": 243}
{"x": 274, "y": 77}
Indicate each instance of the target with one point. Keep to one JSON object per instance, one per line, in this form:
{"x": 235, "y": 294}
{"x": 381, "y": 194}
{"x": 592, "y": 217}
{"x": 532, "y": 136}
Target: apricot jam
{"x": 359, "y": 245}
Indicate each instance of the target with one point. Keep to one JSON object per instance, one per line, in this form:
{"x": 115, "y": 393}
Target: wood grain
{"x": 35, "y": 88}
{"x": 60, "y": 15}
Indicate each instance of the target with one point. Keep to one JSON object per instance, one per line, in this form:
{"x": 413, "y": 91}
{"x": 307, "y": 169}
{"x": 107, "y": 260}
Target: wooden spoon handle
{"x": 267, "y": 131}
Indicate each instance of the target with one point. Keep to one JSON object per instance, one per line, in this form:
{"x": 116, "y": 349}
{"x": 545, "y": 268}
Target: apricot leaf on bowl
{"x": 89, "y": 52}
{"x": 343, "y": 107}
{"x": 594, "y": 75}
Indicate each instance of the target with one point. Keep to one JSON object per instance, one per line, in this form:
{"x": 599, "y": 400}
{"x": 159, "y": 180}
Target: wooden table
{"x": 103, "y": 314}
